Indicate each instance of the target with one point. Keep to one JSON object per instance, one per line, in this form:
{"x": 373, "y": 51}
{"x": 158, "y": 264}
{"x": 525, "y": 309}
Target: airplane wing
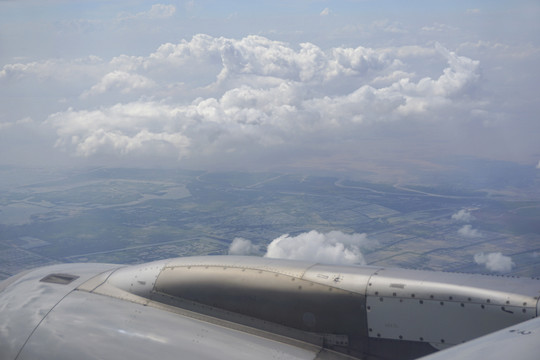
{"x": 518, "y": 342}
{"x": 247, "y": 307}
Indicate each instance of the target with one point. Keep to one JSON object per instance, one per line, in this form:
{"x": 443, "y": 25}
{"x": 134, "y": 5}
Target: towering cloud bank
{"x": 211, "y": 96}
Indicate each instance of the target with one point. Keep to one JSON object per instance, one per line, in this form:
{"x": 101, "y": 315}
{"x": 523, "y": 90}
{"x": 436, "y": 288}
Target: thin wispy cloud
{"x": 156, "y": 12}
{"x": 472, "y": 11}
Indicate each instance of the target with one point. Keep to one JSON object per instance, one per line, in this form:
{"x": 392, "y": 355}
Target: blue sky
{"x": 268, "y": 85}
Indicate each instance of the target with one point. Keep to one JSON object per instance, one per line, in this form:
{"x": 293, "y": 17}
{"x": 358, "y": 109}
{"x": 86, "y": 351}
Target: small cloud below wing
{"x": 496, "y": 262}
{"x": 462, "y": 215}
{"x": 468, "y": 232}
{"x": 334, "y": 247}
{"x": 241, "y": 246}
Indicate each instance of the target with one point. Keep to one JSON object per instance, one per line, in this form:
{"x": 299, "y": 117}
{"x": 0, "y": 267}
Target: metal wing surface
{"x": 519, "y": 342}
{"x": 256, "y": 308}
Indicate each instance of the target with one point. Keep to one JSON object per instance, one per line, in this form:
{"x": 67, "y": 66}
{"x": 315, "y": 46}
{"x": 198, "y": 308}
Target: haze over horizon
{"x": 345, "y": 86}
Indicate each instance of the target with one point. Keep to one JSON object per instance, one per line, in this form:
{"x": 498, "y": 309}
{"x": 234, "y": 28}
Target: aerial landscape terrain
{"x": 123, "y": 215}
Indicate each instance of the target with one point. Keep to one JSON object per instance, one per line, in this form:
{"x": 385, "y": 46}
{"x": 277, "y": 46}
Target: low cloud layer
{"x": 495, "y": 262}
{"x": 334, "y": 247}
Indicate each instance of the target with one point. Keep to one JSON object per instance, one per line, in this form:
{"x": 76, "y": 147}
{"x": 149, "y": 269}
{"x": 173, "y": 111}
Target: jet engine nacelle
{"x": 353, "y": 310}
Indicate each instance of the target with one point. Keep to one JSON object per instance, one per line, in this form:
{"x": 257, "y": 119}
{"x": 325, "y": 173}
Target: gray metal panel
{"x": 10, "y": 280}
{"x": 285, "y": 267}
{"x": 26, "y": 301}
{"x": 445, "y": 286}
{"x": 436, "y": 322}
{"x": 446, "y": 308}
{"x": 350, "y": 278}
{"x": 95, "y": 281}
{"x": 87, "y": 326}
{"x": 518, "y": 342}
{"x": 407, "y": 310}
{"x": 291, "y": 298}
{"x": 137, "y": 279}
{"x": 269, "y": 296}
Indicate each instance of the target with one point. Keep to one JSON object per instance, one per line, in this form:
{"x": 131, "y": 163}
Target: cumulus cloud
{"x": 120, "y": 81}
{"x": 121, "y": 128}
{"x": 325, "y": 12}
{"x": 216, "y": 95}
{"x": 462, "y": 215}
{"x": 334, "y": 247}
{"x": 468, "y": 232}
{"x": 495, "y": 261}
{"x": 241, "y": 246}
{"x": 429, "y": 93}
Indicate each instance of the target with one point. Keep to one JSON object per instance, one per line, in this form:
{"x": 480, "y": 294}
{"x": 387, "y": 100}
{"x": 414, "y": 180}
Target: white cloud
{"x": 213, "y": 96}
{"x": 334, "y": 247}
{"x": 468, "y": 232}
{"x": 101, "y": 140}
{"x": 57, "y": 70}
{"x": 462, "y": 215}
{"x": 388, "y": 87}
{"x": 538, "y": 165}
{"x": 121, "y": 81}
{"x": 439, "y": 28}
{"x": 26, "y": 122}
{"x": 496, "y": 262}
{"x": 121, "y": 128}
{"x": 157, "y": 11}
{"x": 325, "y": 12}
{"x": 240, "y": 246}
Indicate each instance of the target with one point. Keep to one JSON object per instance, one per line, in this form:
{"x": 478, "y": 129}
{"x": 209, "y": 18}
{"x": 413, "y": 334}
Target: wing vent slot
{"x": 62, "y": 279}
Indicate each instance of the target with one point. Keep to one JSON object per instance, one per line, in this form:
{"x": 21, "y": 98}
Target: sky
{"x": 345, "y": 86}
